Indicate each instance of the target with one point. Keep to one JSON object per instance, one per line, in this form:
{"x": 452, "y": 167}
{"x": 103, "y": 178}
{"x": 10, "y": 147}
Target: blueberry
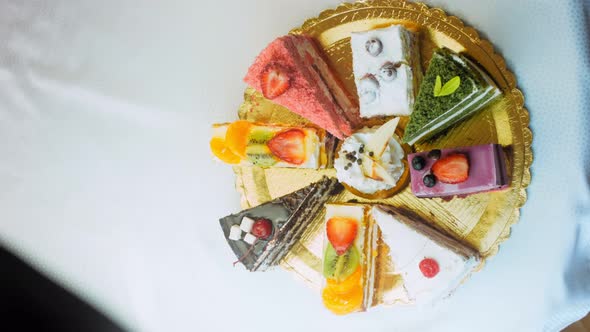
{"x": 429, "y": 180}
{"x": 418, "y": 163}
{"x": 388, "y": 72}
{"x": 374, "y": 46}
{"x": 368, "y": 88}
{"x": 359, "y": 161}
{"x": 434, "y": 154}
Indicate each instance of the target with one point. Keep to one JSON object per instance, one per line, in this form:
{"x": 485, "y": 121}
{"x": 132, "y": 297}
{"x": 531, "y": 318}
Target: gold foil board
{"x": 481, "y": 220}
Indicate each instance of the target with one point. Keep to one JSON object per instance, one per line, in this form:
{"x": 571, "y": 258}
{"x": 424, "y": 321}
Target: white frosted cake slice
{"x": 431, "y": 264}
{"x": 386, "y": 65}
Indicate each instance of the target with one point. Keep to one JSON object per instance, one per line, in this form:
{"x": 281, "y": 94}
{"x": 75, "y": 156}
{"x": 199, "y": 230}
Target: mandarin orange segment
{"x": 347, "y": 284}
{"x": 236, "y": 137}
{"x": 220, "y": 150}
{"x": 342, "y": 304}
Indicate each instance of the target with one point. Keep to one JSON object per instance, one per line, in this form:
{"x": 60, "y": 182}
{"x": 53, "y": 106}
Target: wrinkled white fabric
{"x": 107, "y": 185}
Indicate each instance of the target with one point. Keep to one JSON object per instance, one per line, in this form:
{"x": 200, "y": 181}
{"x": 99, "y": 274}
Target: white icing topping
{"x": 353, "y": 176}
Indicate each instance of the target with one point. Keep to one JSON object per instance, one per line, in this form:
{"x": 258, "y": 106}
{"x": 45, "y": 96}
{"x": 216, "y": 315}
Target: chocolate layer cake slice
{"x": 453, "y": 88}
{"x": 261, "y": 236}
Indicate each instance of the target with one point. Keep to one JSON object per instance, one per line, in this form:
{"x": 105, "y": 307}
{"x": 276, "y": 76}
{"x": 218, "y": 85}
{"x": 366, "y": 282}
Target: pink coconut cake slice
{"x": 308, "y": 86}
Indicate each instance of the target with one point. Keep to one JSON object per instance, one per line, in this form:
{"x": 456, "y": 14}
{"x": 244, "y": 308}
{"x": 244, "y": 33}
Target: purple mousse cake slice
{"x": 458, "y": 171}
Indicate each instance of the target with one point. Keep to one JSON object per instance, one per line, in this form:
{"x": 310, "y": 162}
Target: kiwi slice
{"x": 260, "y": 135}
{"x": 260, "y": 155}
{"x": 340, "y": 267}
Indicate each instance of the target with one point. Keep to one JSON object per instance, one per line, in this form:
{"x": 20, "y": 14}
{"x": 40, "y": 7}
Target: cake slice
{"x": 431, "y": 263}
{"x": 261, "y": 236}
{"x": 452, "y": 89}
{"x": 291, "y": 72}
{"x": 387, "y": 71}
{"x": 458, "y": 171}
{"x": 267, "y": 145}
{"x": 348, "y": 260}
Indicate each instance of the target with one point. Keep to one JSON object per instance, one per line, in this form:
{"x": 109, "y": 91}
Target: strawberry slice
{"x": 341, "y": 233}
{"x": 289, "y": 146}
{"x": 274, "y": 80}
{"x": 451, "y": 169}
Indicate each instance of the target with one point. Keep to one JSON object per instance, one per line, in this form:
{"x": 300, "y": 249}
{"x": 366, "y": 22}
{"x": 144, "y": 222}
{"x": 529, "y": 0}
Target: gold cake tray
{"x": 482, "y": 221}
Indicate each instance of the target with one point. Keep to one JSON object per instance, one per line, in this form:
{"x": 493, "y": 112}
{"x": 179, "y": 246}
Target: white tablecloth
{"x": 107, "y": 185}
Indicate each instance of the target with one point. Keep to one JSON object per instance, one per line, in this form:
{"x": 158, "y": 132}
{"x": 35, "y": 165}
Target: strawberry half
{"x": 274, "y": 80}
{"x": 341, "y": 233}
{"x": 289, "y": 146}
{"x": 451, "y": 169}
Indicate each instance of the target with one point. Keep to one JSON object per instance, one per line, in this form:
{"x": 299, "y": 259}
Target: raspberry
{"x": 429, "y": 267}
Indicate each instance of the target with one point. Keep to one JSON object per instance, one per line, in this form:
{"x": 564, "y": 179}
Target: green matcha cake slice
{"x": 452, "y": 89}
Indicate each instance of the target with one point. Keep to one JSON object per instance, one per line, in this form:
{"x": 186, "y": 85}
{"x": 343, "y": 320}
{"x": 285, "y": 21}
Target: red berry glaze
{"x": 429, "y": 267}
{"x": 262, "y": 228}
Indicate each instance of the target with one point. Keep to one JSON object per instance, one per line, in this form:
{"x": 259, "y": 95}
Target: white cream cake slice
{"x": 431, "y": 264}
{"x": 387, "y": 71}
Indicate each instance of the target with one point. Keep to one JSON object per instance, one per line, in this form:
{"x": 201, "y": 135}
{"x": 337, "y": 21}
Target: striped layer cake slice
{"x": 261, "y": 236}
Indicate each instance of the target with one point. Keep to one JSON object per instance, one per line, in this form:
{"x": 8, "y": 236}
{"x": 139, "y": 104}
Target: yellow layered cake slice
{"x": 269, "y": 145}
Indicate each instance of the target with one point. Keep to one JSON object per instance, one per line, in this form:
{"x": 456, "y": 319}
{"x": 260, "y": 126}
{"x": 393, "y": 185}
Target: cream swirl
{"x": 351, "y": 172}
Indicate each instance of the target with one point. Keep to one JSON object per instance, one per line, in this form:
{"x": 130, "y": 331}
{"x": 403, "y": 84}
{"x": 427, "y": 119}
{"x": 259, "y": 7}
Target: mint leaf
{"x": 450, "y": 87}
{"x": 437, "y": 86}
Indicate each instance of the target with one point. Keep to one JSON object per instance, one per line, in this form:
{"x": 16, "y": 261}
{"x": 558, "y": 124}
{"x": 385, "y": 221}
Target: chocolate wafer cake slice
{"x": 261, "y": 236}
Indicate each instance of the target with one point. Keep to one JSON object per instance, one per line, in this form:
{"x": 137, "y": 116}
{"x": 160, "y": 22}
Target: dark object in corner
{"x": 31, "y": 302}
